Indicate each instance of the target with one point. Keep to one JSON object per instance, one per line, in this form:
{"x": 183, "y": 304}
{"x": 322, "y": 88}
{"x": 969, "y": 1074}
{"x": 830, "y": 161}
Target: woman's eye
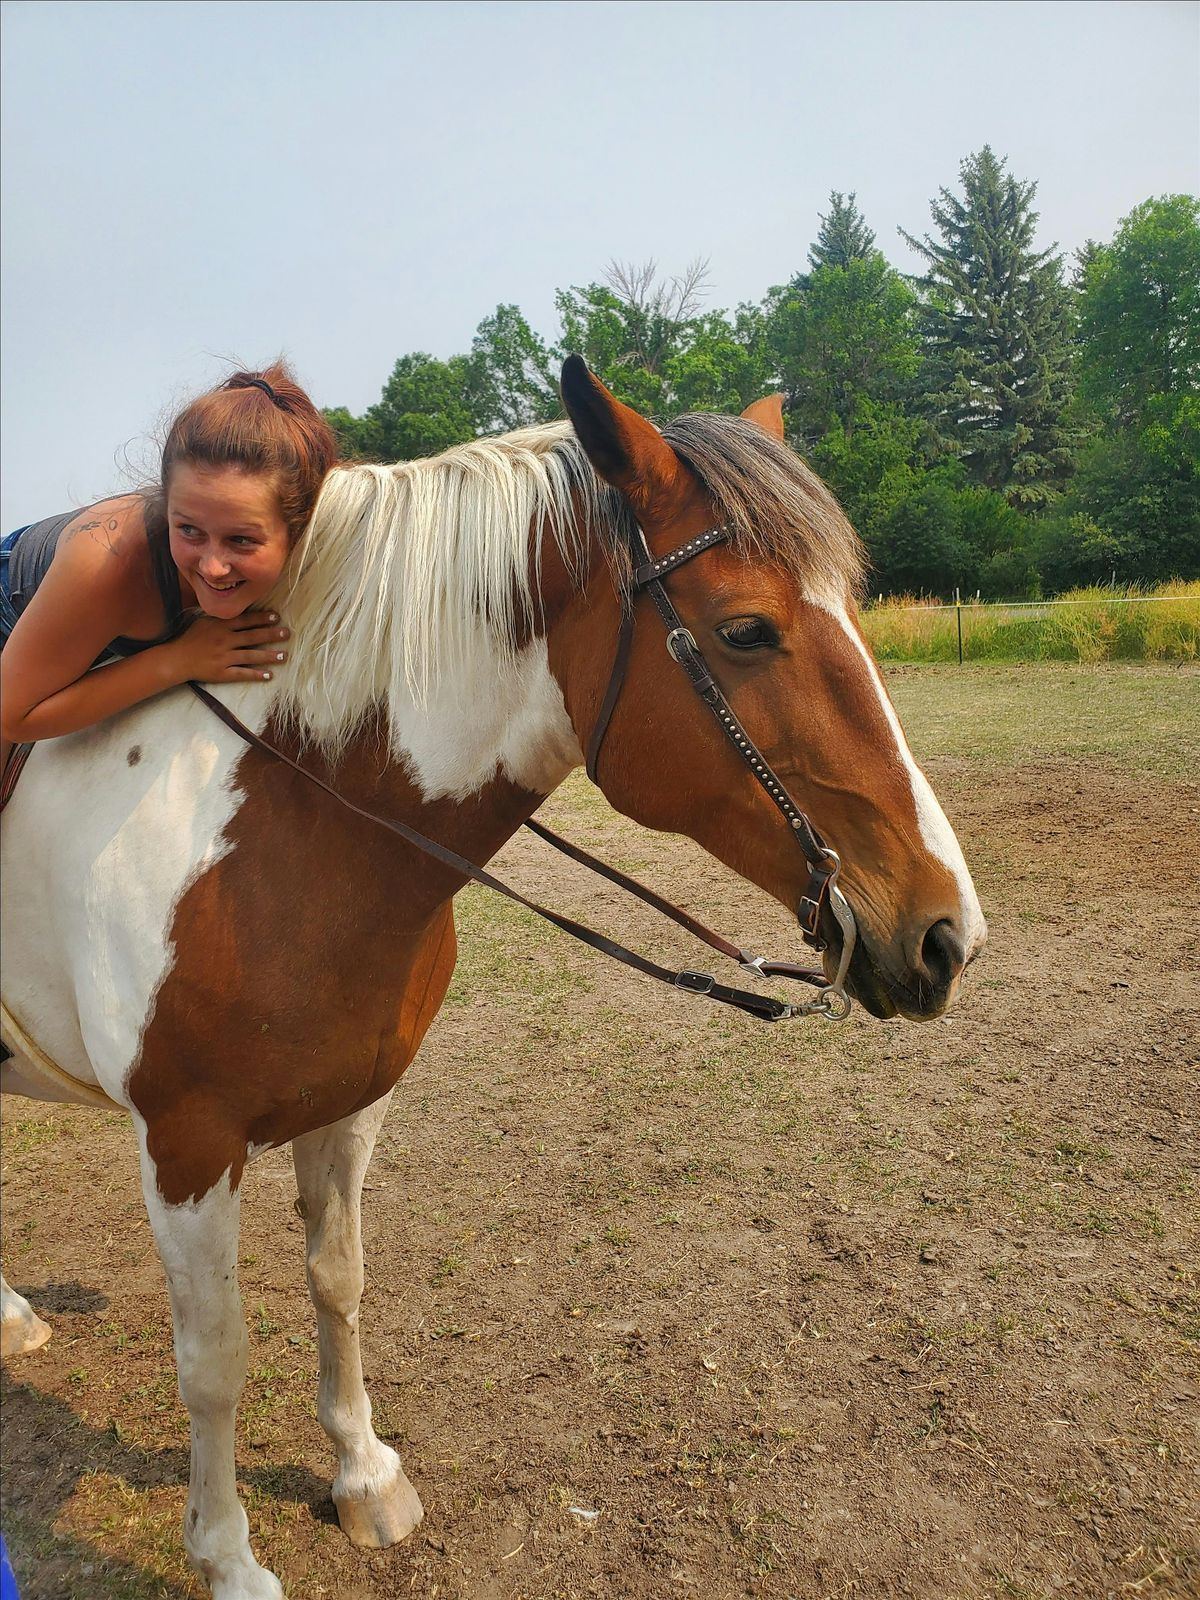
{"x": 749, "y": 633}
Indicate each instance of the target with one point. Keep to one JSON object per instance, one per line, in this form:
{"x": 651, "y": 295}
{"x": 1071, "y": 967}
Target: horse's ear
{"x": 768, "y": 413}
{"x": 625, "y": 449}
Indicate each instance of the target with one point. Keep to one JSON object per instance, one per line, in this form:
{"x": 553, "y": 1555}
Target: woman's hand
{"x": 213, "y": 650}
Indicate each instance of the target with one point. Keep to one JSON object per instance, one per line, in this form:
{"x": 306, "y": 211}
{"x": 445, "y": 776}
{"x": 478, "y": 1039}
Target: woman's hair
{"x": 260, "y": 422}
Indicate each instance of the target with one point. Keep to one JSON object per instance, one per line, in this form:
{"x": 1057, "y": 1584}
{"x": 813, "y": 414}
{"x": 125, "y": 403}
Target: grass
{"x": 1093, "y": 625}
{"x": 1143, "y": 717}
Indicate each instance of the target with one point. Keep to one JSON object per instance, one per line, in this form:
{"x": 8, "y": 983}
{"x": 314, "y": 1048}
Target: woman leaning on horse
{"x": 102, "y": 608}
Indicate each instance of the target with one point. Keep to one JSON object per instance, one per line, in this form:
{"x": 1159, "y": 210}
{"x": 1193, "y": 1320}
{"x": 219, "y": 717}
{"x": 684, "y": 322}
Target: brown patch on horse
{"x": 344, "y": 935}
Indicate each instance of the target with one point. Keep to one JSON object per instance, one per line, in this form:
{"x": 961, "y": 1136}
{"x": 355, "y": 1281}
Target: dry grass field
{"x": 664, "y": 1302}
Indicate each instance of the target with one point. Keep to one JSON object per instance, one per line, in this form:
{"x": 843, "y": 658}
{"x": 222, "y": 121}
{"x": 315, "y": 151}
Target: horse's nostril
{"x": 942, "y": 953}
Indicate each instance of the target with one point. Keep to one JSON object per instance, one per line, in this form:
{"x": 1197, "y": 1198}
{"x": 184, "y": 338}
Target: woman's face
{"x": 228, "y": 538}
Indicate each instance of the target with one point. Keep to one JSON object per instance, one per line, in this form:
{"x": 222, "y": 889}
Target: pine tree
{"x": 843, "y": 236}
{"x": 996, "y": 327}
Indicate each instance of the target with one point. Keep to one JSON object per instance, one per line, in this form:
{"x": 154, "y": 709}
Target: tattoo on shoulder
{"x": 101, "y": 530}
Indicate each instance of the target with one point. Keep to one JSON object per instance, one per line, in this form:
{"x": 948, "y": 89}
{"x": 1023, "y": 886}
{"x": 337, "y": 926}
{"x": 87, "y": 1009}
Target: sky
{"x": 185, "y": 185}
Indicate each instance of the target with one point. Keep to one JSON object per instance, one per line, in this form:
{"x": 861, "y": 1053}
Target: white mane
{"x": 411, "y": 573}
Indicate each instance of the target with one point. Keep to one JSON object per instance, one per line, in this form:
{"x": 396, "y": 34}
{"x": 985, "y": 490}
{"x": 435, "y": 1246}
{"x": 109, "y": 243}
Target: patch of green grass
{"x": 1144, "y": 717}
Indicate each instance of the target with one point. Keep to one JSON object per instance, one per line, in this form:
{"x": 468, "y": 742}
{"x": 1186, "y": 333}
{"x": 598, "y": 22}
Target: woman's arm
{"x": 84, "y": 602}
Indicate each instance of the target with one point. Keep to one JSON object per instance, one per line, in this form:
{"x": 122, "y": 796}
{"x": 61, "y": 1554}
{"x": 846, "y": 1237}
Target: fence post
{"x": 958, "y": 615}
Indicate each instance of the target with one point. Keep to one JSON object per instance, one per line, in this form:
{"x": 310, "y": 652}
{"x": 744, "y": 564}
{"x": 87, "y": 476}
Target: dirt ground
{"x": 664, "y": 1302}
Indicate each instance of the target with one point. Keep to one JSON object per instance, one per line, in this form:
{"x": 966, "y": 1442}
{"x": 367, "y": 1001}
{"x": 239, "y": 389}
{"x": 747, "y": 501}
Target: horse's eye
{"x": 749, "y": 633}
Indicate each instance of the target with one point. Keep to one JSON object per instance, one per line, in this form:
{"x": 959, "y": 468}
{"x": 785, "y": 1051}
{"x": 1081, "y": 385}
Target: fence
{"x": 1089, "y": 625}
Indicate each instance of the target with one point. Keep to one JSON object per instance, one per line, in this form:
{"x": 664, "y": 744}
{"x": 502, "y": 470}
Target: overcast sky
{"x": 347, "y": 182}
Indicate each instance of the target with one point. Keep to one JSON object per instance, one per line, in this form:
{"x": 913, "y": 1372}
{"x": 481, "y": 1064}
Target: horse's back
{"x": 105, "y": 831}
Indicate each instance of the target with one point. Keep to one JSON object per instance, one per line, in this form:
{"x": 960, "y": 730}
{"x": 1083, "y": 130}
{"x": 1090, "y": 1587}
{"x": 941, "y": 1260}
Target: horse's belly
{"x": 106, "y": 830}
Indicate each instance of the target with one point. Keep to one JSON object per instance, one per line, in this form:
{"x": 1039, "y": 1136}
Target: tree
{"x": 350, "y": 432}
{"x": 843, "y": 236}
{"x": 1134, "y": 508}
{"x": 424, "y": 408}
{"x": 841, "y": 335}
{"x": 510, "y": 374}
{"x": 1139, "y": 311}
{"x": 995, "y": 320}
{"x": 646, "y": 338}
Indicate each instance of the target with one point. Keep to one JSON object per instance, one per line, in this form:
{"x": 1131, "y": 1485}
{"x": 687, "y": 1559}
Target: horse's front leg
{"x": 198, "y": 1243}
{"x": 376, "y": 1504}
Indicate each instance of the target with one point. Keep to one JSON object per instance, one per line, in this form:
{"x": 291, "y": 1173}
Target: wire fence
{"x": 1090, "y": 625}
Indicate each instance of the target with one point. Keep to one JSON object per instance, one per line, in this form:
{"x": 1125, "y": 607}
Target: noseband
{"x": 823, "y": 863}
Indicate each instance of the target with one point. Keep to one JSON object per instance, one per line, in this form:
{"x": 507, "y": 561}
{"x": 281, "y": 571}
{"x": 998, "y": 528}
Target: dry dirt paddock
{"x": 663, "y": 1302}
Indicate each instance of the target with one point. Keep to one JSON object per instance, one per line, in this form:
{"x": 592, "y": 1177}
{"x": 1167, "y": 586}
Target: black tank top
{"x": 34, "y": 551}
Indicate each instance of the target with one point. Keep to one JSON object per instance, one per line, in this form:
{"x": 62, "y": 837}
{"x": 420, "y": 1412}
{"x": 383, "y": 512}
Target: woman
{"x": 105, "y": 607}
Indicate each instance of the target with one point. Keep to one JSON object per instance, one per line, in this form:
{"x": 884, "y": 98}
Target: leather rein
{"x": 832, "y": 1000}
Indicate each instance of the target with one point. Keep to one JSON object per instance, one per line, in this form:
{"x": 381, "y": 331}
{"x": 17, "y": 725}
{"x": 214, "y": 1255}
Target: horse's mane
{"x": 422, "y": 574}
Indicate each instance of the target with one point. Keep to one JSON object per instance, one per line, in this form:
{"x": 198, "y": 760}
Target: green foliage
{"x": 871, "y": 465}
{"x": 1139, "y": 312}
{"x": 843, "y": 236}
{"x": 941, "y": 415}
{"x": 996, "y": 327}
{"x": 510, "y": 375}
{"x": 425, "y": 408}
{"x": 941, "y": 535}
{"x": 1139, "y": 486}
{"x": 841, "y": 335}
{"x": 648, "y": 341}
{"x": 1134, "y": 508}
{"x": 718, "y": 365}
{"x": 349, "y": 430}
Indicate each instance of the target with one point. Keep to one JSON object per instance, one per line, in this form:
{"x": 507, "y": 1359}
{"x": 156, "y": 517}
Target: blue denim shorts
{"x": 8, "y": 615}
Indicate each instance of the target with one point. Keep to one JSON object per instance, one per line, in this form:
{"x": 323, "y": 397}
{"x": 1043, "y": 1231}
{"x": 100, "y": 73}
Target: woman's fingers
{"x": 241, "y": 674}
{"x": 247, "y": 638}
{"x": 255, "y": 619}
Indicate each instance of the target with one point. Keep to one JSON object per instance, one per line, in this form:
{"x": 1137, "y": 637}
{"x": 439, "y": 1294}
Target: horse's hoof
{"x": 381, "y": 1519}
{"x": 20, "y": 1334}
{"x": 251, "y": 1583}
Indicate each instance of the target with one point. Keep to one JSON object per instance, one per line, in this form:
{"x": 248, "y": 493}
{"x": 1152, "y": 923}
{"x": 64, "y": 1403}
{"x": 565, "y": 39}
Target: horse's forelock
{"x": 774, "y": 507}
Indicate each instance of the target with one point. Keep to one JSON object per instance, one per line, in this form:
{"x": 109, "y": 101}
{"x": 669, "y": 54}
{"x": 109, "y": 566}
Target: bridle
{"x": 824, "y": 864}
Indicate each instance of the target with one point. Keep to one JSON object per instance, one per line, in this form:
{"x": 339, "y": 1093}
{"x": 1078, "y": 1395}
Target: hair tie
{"x": 260, "y": 383}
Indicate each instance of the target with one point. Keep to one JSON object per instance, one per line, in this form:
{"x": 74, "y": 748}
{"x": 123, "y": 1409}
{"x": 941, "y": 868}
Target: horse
{"x": 199, "y": 934}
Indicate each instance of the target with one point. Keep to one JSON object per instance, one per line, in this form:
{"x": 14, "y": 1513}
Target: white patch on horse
{"x": 486, "y": 718}
{"x": 87, "y": 921}
{"x": 198, "y": 1244}
{"x": 936, "y": 833}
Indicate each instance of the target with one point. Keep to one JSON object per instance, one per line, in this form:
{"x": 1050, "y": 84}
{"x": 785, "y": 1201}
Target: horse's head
{"x": 772, "y": 610}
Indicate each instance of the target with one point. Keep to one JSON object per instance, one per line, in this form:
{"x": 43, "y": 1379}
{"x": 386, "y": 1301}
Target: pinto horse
{"x": 202, "y": 936}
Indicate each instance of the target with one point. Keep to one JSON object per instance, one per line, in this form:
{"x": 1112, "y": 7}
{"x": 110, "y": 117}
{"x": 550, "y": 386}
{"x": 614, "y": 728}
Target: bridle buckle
{"x": 680, "y": 639}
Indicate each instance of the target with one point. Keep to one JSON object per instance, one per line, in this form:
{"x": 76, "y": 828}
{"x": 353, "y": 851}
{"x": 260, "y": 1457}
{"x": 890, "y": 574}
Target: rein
{"x": 824, "y": 864}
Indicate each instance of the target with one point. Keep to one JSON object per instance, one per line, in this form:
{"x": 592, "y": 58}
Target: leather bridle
{"x": 823, "y": 863}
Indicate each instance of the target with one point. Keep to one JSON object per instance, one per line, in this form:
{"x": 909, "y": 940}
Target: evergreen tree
{"x": 996, "y": 325}
{"x": 843, "y": 236}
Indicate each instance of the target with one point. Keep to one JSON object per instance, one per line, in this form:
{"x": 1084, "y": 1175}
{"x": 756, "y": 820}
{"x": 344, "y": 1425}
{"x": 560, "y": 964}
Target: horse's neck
{"x": 473, "y": 761}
